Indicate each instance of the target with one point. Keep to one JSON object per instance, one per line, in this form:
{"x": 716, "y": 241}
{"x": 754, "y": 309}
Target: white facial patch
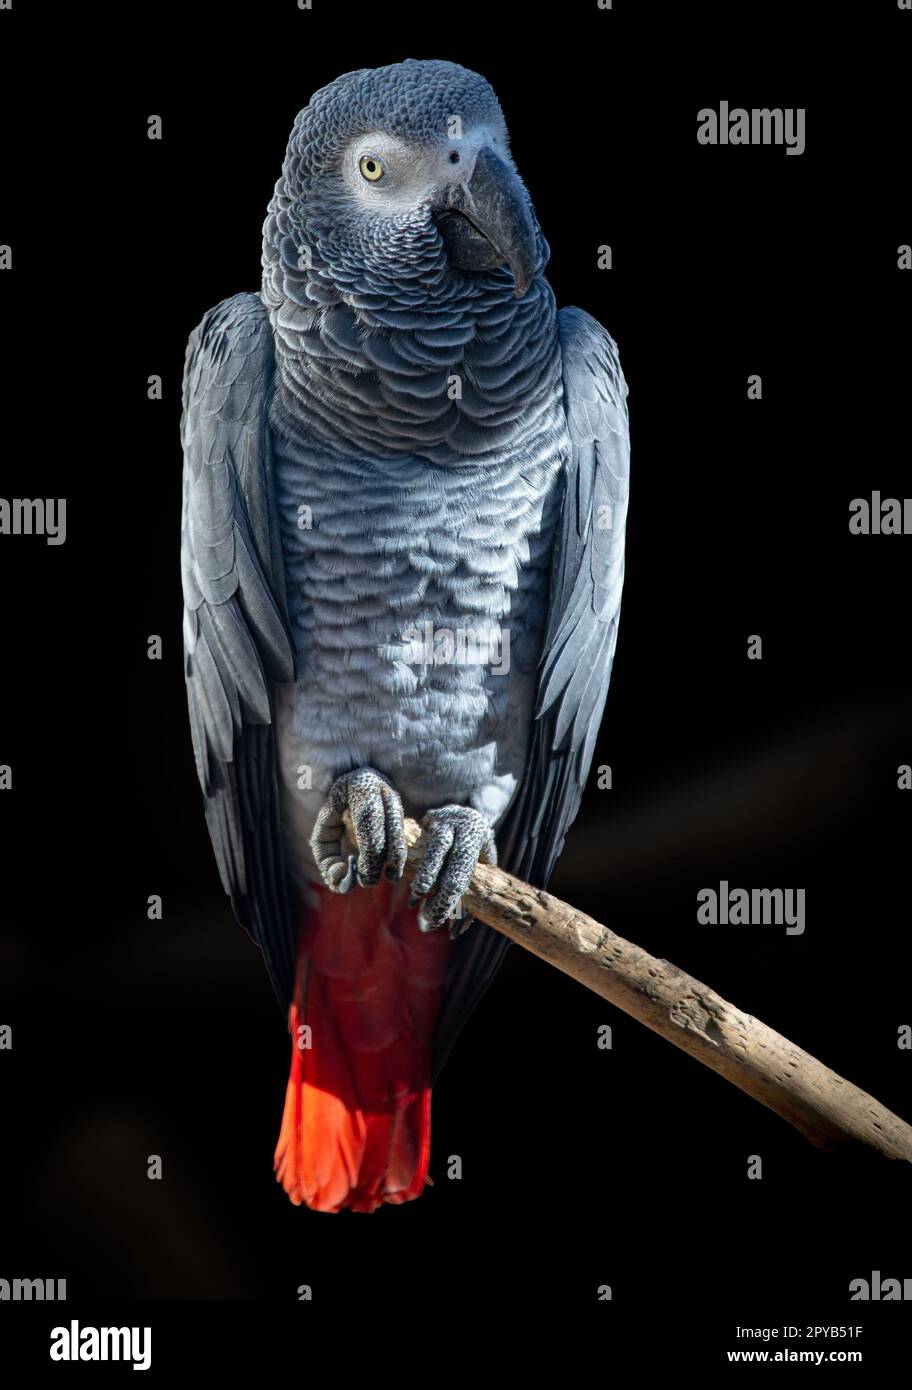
{"x": 413, "y": 174}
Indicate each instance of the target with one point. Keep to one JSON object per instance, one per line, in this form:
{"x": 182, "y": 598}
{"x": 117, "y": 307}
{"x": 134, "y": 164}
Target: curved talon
{"x": 341, "y": 874}
{"x": 378, "y": 826}
{"x": 459, "y": 925}
{"x": 459, "y": 838}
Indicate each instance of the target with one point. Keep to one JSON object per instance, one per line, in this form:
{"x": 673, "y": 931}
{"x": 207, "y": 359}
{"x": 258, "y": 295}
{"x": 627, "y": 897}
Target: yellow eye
{"x": 371, "y": 168}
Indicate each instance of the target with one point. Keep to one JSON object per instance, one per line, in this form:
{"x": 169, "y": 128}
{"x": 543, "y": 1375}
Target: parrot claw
{"x": 458, "y": 838}
{"x": 459, "y": 925}
{"x": 347, "y": 882}
{"x": 375, "y": 812}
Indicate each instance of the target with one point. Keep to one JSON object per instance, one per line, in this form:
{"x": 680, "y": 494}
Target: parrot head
{"x": 399, "y": 182}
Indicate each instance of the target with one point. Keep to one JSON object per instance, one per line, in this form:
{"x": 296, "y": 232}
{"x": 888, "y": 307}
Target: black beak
{"x": 494, "y": 202}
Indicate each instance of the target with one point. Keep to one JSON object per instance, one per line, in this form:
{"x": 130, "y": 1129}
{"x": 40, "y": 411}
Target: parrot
{"x": 405, "y": 487}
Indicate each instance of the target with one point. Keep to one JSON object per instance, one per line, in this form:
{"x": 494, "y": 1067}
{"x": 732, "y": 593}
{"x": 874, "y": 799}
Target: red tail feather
{"x": 356, "y": 1131}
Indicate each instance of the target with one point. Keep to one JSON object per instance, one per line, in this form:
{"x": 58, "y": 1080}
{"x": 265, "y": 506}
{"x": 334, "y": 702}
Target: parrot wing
{"x": 580, "y": 636}
{"x": 236, "y": 640}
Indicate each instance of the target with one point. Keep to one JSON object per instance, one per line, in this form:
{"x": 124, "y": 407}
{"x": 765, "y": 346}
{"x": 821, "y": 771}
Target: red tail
{"x": 356, "y": 1131}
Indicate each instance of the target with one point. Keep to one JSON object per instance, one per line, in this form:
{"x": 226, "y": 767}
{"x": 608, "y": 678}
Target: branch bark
{"x": 825, "y": 1107}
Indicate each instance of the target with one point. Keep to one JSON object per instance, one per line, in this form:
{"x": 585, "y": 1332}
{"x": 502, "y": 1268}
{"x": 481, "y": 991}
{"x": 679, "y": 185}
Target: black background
{"x": 582, "y": 1167}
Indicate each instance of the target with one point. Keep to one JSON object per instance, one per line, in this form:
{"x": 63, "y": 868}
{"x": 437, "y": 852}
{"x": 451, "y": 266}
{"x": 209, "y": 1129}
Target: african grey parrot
{"x": 405, "y": 493}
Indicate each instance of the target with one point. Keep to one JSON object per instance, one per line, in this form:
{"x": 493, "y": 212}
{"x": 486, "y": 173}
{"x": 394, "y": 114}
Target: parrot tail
{"x": 356, "y": 1131}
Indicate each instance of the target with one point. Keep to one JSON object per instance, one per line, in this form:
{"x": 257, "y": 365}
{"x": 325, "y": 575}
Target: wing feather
{"x": 236, "y": 641}
{"x": 580, "y": 637}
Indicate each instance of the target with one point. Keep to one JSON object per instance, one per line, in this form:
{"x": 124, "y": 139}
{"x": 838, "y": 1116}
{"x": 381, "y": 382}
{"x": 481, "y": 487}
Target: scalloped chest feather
{"x": 416, "y": 582}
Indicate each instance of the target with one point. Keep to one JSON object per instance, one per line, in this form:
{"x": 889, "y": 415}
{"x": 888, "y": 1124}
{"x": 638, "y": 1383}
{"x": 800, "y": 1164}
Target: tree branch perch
{"x": 825, "y": 1107}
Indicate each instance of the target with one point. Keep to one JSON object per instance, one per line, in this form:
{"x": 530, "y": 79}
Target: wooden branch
{"x": 825, "y": 1107}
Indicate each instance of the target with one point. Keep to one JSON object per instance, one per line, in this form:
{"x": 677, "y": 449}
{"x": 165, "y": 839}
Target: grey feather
{"x": 587, "y": 577}
{"x": 235, "y": 633}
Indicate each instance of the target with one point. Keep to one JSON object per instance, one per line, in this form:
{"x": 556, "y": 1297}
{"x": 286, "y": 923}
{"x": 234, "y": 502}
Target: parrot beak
{"x": 494, "y": 203}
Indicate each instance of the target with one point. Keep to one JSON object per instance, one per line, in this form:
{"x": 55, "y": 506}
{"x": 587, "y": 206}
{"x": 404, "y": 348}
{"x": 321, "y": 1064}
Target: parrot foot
{"x": 376, "y": 815}
{"x": 458, "y": 838}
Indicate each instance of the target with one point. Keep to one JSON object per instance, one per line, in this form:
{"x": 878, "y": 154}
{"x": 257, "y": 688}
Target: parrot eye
{"x": 371, "y": 168}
